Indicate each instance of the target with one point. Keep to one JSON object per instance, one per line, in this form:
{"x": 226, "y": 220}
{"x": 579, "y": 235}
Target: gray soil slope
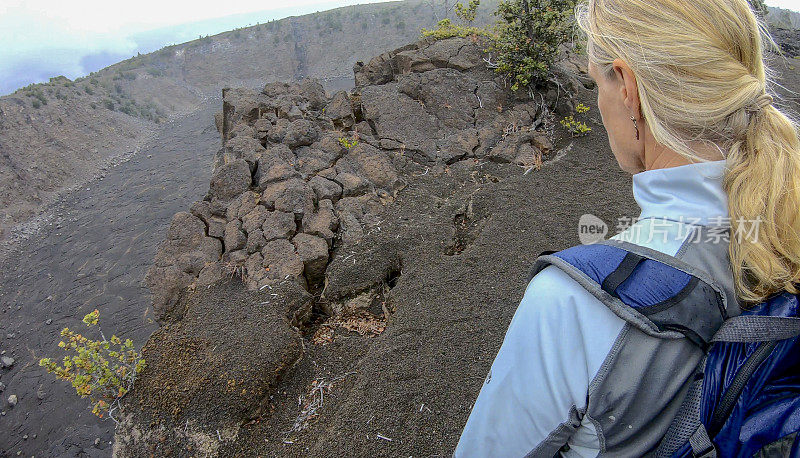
{"x": 92, "y": 254}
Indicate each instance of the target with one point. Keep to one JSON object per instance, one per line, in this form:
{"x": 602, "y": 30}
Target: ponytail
{"x": 763, "y": 188}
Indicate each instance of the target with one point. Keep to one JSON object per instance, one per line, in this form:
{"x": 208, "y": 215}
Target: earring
{"x": 634, "y": 126}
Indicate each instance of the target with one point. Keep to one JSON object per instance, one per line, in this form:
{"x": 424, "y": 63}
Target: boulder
{"x": 352, "y": 184}
{"x": 301, "y": 132}
{"x": 370, "y": 163}
{"x": 322, "y": 222}
{"x": 313, "y": 251}
{"x": 235, "y": 239}
{"x": 241, "y": 147}
{"x": 278, "y": 131}
{"x": 340, "y": 110}
{"x": 311, "y": 160}
{"x": 255, "y": 241}
{"x": 278, "y": 225}
{"x": 294, "y": 195}
{"x": 313, "y": 90}
{"x": 215, "y": 225}
{"x": 254, "y": 219}
{"x": 281, "y": 260}
{"x": 325, "y": 188}
{"x": 230, "y": 180}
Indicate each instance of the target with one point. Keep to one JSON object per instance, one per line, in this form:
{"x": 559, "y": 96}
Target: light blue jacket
{"x": 561, "y": 335}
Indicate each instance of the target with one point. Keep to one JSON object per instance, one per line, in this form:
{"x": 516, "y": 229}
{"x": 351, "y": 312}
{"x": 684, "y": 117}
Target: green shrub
{"x": 446, "y": 29}
{"x": 467, "y": 13}
{"x": 528, "y": 38}
{"x": 36, "y": 104}
{"x": 576, "y": 127}
{"x": 348, "y": 143}
{"x": 104, "y": 370}
{"x": 88, "y": 90}
{"x": 108, "y": 104}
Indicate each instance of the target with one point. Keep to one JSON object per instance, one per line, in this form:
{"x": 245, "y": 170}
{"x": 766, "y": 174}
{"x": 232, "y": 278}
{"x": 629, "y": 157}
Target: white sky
{"x": 788, "y": 4}
{"x": 27, "y": 25}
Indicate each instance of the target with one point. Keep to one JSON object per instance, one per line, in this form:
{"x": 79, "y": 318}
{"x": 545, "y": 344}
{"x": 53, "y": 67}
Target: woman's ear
{"x": 629, "y": 91}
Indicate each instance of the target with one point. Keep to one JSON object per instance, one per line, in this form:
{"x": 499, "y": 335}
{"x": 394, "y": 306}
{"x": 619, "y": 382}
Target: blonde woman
{"x": 683, "y": 94}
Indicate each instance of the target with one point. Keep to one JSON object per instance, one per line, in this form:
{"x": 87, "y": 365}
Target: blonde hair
{"x": 701, "y": 77}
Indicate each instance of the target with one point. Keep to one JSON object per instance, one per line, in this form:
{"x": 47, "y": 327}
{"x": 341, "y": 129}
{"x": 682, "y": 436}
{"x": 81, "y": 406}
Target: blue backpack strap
{"x": 659, "y": 294}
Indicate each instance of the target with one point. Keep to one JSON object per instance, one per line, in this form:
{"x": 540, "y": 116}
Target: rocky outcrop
{"x": 302, "y": 177}
{"x": 299, "y": 169}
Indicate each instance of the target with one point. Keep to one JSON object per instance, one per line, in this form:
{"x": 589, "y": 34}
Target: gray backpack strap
{"x": 702, "y": 447}
{"x": 757, "y": 328}
{"x": 686, "y": 424}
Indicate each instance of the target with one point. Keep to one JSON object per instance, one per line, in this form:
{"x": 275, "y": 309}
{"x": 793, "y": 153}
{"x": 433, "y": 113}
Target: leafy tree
{"x": 529, "y": 35}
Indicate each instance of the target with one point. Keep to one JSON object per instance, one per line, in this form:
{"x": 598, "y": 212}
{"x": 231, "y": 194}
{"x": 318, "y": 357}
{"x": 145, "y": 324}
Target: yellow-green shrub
{"x": 104, "y": 370}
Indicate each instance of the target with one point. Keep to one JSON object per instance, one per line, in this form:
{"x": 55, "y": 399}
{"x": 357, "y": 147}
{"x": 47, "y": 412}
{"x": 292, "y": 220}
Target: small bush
{"x": 36, "y": 104}
{"x": 88, "y": 90}
{"x": 446, "y": 29}
{"x": 347, "y": 143}
{"x": 467, "y": 13}
{"x": 108, "y": 104}
{"x": 104, "y": 370}
{"x": 575, "y": 127}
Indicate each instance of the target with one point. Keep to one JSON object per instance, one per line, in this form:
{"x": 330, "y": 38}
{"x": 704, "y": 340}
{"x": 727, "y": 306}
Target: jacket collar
{"x": 690, "y": 193}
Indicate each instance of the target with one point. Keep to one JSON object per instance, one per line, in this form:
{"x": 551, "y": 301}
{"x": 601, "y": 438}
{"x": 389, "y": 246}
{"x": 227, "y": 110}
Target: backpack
{"x": 744, "y": 396}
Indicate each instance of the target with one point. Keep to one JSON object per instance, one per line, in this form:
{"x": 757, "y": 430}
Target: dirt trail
{"x": 94, "y": 254}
